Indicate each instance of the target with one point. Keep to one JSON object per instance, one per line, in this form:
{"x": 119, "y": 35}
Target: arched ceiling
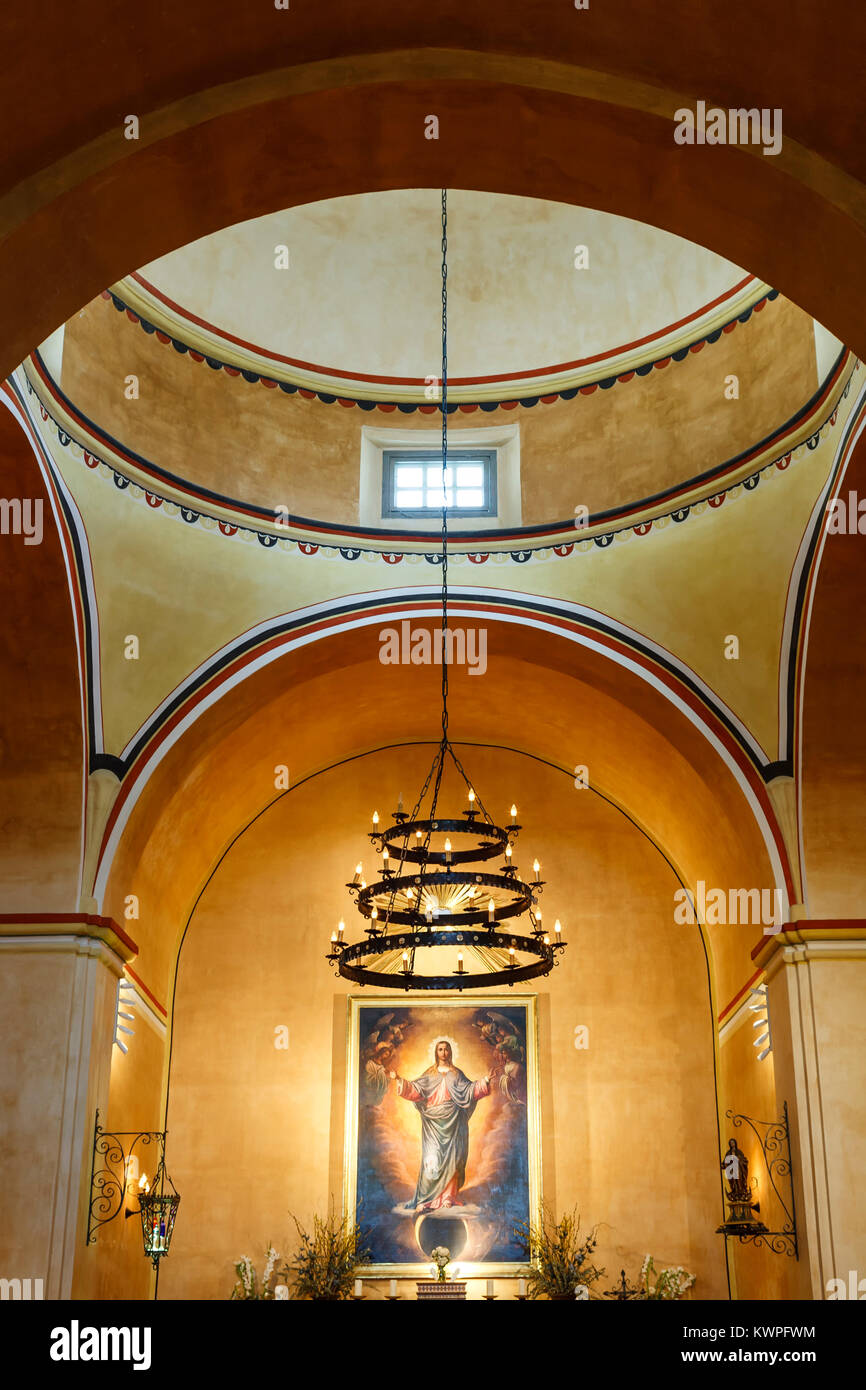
{"x": 238, "y": 119}
{"x": 358, "y": 300}
{"x": 221, "y": 772}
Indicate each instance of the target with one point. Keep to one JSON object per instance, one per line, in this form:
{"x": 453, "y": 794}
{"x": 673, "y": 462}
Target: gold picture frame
{"x": 356, "y": 1008}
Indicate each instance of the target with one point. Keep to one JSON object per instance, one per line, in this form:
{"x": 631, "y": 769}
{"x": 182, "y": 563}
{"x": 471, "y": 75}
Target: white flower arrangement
{"x": 247, "y": 1285}
{"x": 668, "y": 1284}
{"x": 441, "y": 1254}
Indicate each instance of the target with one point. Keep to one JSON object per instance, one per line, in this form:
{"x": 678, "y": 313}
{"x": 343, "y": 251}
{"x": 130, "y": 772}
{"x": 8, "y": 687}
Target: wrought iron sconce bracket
{"x": 774, "y": 1139}
{"x": 108, "y": 1182}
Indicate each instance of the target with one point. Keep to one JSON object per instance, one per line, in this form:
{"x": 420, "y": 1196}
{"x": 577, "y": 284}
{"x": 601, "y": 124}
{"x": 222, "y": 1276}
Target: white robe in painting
{"x": 445, "y": 1099}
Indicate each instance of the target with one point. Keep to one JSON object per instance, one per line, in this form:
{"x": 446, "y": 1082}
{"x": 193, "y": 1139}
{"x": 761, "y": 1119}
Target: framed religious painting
{"x": 442, "y": 1130}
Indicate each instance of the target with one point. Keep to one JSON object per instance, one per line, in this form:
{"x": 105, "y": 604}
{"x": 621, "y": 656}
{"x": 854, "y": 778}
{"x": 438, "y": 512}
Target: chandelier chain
{"x": 444, "y": 407}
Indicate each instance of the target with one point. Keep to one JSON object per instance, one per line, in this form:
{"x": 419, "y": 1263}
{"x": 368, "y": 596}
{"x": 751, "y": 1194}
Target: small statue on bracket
{"x": 735, "y": 1167}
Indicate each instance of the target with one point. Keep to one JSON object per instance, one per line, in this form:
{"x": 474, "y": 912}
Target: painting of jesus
{"x": 445, "y": 1099}
{"x": 442, "y": 1129}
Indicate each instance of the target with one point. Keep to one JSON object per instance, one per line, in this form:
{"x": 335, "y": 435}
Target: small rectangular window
{"x": 412, "y": 482}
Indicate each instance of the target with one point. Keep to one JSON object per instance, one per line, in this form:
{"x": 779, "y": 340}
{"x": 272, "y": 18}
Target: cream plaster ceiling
{"x": 361, "y": 293}
{"x": 186, "y": 591}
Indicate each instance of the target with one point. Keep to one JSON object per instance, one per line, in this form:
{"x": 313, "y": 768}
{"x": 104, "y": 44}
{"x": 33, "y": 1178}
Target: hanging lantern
{"x": 158, "y": 1209}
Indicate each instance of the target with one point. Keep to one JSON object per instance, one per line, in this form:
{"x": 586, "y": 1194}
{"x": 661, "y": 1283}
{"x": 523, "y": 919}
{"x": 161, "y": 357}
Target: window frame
{"x": 487, "y": 457}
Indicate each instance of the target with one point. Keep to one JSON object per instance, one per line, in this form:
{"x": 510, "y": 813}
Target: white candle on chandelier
{"x": 385, "y": 858}
{"x": 405, "y": 962}
{"x": 359, "y": 869}
{"x": 333, "y": 938}
{"x": 429, "y": 913}
{"x": 410, "y": 893}
{"x": 447, "y": 851}
{"x": 538, "y": 917}
{"x": 508, "y": 852}
{"x": 557, "y": 927}
{"x": 491, "y": 908}
{"x": 341, "y": 927}
{"x": 400, "y": 804}
{"x": 546, "y": 939}
{"x": 459, "y": 962}
{"x": 375, "y": 819}
{"x": 375, "y": 913}
{"x": 417, "y": 834}
{"x": 511, "y": 955}
{"x": 513, "y": 815}
{"x": 537, "y": 868}
{"x": 471, "y": 798}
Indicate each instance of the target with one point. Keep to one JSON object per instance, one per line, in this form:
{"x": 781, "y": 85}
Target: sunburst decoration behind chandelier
{"x": 429, "y": 901}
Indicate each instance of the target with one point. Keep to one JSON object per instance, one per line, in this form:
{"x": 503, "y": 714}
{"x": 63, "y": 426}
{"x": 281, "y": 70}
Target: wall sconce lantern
{"x": 113, "y": 1174}
{"x": 158, "y": 1209}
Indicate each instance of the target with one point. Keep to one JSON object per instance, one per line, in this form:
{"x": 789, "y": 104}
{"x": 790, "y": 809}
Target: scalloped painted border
{"x": 411, "y": 407}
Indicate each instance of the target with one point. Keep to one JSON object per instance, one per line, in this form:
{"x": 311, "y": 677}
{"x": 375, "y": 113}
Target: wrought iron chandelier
{"x": 429, "y": 901}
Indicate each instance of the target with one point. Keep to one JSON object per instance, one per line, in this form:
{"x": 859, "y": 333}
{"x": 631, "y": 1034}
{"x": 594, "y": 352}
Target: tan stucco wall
{"x": 629, "y": 1130}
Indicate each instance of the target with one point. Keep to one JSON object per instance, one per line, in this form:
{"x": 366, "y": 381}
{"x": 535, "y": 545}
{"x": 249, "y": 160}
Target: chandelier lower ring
{"x": 346, "y": 957}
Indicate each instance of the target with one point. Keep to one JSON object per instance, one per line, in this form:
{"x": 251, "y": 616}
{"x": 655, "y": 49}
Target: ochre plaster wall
{"x": 272, "y": 449}
{"x": 115, "y": 1267}
{"x": 833, "y": 750}
{"x": 40, "y": 703}
{"x": 629, "y": 1129}
{"x": 57, "y": 998}
{"x": 748, "y": 1087}
{"x": 333, "y": 701}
